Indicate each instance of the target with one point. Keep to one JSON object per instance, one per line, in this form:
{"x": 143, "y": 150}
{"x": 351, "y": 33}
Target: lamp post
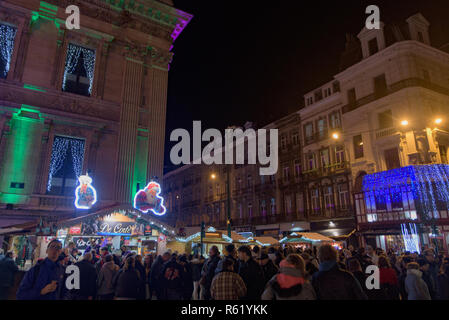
{"x": 228, "y": 200}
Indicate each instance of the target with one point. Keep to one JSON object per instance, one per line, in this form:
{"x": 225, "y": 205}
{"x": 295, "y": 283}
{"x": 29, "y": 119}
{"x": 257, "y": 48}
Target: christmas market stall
{"x": 114, "y": 228}
{"x": 306, "y": 240}
{"x": 261, "y": 242}
{"x": 211, "y": 237}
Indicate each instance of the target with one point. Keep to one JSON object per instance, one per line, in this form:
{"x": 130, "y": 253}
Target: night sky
{"x": 244, "y": 60}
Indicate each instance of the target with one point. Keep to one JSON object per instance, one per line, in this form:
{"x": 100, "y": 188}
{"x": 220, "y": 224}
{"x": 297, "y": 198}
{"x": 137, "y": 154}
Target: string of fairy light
{"x": 73, "y": 55}
{"x": 59, "y": 153}
{"x": 7, "y": 36}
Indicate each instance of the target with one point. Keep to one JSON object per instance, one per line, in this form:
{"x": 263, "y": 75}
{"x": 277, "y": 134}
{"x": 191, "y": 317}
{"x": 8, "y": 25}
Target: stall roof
{"x": 267, "y": 240}
{"x": 234, "y": 235}
{"x": 306, "y": 237}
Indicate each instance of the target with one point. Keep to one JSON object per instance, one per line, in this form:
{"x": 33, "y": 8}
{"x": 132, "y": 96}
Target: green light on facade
{"x": 49, "y": 6}
{"x": 34, "y": 88}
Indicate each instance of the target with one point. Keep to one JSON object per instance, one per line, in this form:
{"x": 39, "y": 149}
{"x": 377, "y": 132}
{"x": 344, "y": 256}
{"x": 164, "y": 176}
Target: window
{"x": 218, "y": 189}
{"x": 420, "y": 37}
{"x": 66, "y": 165}
{"x": 308, "y": 131}
{"x": 297, "y": 168}
{"x": 309, "y": 101}
{"x": 324, "y": 158}
{"x": 273, "y": 206}
{"x": 334, "y": 120}
{"x": 318, "y": 95}
{"x": 311, "y": 161}
{"x": 283, "y": 142}
{"x": 358, "y": 147}
{"x": 380, "y": 85}
{"x": 327, "y": 92}
{"x": 7, "y": 37}
{"x": 299, "y": 202}
{"x": 373, "y": 46}
{"x": 79, "y": 70}
{"x": 328, "y": 197}
{"x": 315, "y": 197}
{"x": 295, "y": 138}
{"x": 385, "y": 119}
{"x": 240, "y": 210}
{"x": 263, "y": 208}
{"x": 288, "y": 204}
{"x": 352, "y": 98}
{"x": 339, "y": 154}
{"x": 336, "y": 86}
{"x": 392, "y": 159}
{"x": 343, "y": 196}
{"x": 321, "y": 127}
{"x": 285, "y": 174}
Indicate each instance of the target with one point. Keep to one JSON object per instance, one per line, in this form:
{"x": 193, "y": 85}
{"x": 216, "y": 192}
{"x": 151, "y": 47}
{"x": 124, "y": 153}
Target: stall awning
{"x": 267, "y": 241}
{"x": 306, "y": 237}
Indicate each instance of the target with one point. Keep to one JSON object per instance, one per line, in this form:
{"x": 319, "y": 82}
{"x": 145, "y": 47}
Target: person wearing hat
{"x": 228, "y": 253}
{"x": 45, "y": 280}
{"x": 268, "y": 268}
{"x": 289, "y": 283}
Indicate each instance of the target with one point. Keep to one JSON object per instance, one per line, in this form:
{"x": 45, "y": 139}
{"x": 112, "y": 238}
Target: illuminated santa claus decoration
{"x": 85, "y": 193}
{"x": 149, "y": 199}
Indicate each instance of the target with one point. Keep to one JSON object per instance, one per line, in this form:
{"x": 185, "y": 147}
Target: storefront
{"x": 307, "y": 240}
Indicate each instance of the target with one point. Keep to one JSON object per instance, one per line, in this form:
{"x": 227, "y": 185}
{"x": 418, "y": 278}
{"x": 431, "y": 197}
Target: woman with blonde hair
{"x": 290, "y": 283}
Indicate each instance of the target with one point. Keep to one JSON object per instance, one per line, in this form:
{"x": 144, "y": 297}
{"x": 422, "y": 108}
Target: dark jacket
{"x": 431, "y": 285}
{"x": 188, "y": 282}
{"x": 88, "y": 282}
{"x": 443, "y": 286}
{"x": 220, "y": 263}
{"x": 128, "y": 284}
{"x": 333, "y": 283}
{"x": 252, "y": 275}
{"x": 208, "y": 271}
{"x": 269, "y": 271}
{"x": 106, "y": 277}
{"x": 30, "y": 287}
{"x": 196, "y": 265}
{"x": 7, "y": 270}
{"x": 155, "y": 274}
{"x": 172, "y": 281}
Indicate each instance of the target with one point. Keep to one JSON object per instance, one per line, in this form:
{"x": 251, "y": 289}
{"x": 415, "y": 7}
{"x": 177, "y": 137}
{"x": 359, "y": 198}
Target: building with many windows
{"x": 81, "y": 101}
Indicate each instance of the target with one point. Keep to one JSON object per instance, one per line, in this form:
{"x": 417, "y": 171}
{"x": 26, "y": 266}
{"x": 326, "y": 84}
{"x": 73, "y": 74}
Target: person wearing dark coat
{"x": 88, "y": 280}
{"x": 208, "y": 272}
{"x": 187, "y": 278}
{"x": 333, "y": 283}
{"x": 268, "y": 268}
{"x": 172, "y": 281}
{"x": 196, "y": 264}
{"x": 128, "y": 284}
{"x": 229, "y": 253}
{"x": 156, "y": 272}
{"x": 443, "y": 283}
{"x": 403, "y": 275}
{"x": 251, "y": 273}
{"x": 45, "y": 280}
{"x": 8, "y": 268}
{"x": 141, "y": 269}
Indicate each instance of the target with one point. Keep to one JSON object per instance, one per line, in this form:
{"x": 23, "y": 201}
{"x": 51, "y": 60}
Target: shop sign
{"x": 148, "y": 231}
{"x": 75, "y": 230}
{"x": 82, "y": 242}
{"x": 118, "y": 228}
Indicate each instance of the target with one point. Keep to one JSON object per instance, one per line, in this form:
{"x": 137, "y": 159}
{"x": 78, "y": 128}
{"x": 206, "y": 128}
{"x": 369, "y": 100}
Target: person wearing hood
{"x": 290, "y": 283}
{"x": 229, "y": 253}
{"x": 333, "y": 283}
{"x": 105, "y": 279}
{"x": 415, "y": 286}
{"x": 268, "y": 268}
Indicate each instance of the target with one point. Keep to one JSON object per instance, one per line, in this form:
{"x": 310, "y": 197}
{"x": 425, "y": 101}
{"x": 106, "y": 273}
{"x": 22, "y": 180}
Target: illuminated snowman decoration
{"x": 85, "y": 193}
{"x": 149, "y": 199}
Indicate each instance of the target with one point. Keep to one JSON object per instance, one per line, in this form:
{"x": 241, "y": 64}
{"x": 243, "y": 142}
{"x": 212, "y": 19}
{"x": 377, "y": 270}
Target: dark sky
{"x": 246, "y": 60}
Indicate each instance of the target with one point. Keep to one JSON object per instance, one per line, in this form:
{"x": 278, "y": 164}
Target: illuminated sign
{"x": 149, "y": 199}
{"x": 85, "y": 193}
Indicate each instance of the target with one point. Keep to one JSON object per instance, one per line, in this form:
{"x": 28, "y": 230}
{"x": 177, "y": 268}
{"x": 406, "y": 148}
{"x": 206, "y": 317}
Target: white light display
{"x": 149, "y": 199}
{"x": 85, "y": 193}
{"x": 73, "y": 55}
{"x": 7, "y": 36}
{"x": 411, "y": 240}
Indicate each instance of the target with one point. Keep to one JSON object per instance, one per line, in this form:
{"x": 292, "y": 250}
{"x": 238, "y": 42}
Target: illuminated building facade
{"x": 73, "y": 102}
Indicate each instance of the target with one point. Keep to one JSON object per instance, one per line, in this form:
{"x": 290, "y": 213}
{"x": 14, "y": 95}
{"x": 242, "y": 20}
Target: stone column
{"x": 158, "y": 108}
{"x": 129, "y": 117}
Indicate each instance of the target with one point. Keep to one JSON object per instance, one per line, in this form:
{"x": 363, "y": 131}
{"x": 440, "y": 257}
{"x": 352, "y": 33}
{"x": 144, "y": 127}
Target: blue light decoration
{"x": 73, "y": 55}
{"x": 149, "y": 199}
{"x": 411, "y": 239}
{"x": 426, "y": 185}
{"x": 7, "y": 36}
{"x": 85, "y": 193}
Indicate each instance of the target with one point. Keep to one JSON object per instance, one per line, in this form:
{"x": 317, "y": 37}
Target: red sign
{"x": 75, "y": 230}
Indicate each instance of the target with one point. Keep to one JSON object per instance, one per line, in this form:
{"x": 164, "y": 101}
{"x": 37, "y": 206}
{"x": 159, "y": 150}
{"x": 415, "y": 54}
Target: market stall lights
{"x": 7, "y": 36}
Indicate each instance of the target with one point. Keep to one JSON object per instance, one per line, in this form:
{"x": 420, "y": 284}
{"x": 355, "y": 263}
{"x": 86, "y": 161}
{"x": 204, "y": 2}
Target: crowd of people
{"x": 322, "y": 273}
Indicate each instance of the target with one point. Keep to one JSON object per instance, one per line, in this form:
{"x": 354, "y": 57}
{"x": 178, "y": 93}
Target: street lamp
{"x": 228, "y": 196}
{"x": 438, "y": 121}
{"x": 404, "y": 123}
{"x": 335, "y": 136}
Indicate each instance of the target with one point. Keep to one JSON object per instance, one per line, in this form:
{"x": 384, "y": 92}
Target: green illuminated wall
{"x": 140, "y": 165}
{"x": 21, "y": 156}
